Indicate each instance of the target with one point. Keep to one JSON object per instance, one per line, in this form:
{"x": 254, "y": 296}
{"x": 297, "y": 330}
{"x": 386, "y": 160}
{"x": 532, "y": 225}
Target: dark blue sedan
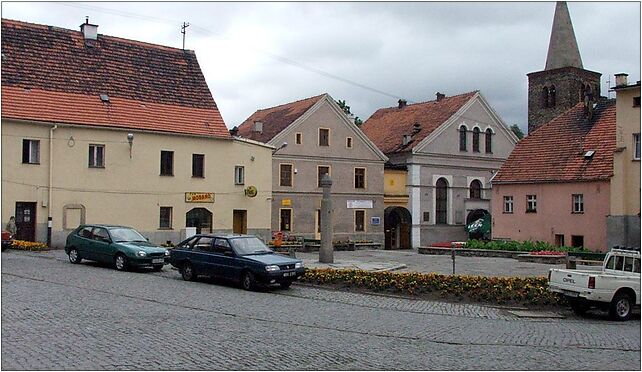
{"x": 242, "y": 258}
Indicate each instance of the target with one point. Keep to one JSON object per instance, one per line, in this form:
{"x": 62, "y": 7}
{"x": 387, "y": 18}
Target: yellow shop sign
{"x": 286, "y": 202}
{"x": 199, "y": 197}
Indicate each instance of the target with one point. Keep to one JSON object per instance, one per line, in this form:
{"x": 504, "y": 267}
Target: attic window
{"x": 589, "y": 155}
{"x": 104, "y": 98}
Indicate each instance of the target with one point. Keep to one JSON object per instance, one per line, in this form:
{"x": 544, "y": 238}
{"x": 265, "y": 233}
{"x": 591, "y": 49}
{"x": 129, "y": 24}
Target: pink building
{"x": 555, "y": 186}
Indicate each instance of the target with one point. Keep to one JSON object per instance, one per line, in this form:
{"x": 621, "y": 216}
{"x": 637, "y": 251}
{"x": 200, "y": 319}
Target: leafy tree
{"x": 517, "y": 130}
{"x": 346, "y": 110}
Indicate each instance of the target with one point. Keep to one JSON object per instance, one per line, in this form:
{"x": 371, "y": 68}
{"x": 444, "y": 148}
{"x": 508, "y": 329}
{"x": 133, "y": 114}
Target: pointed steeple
{"x": 562, "y": 48}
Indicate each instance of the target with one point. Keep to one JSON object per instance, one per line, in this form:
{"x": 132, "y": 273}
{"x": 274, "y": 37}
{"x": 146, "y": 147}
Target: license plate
{"x": 570, "y": 293}
{"x": 289, "y": 274}
{"x": 158, "y": 260}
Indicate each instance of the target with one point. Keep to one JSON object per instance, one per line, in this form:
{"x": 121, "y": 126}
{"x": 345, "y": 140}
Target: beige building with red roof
{"x": 99, "y": 129}
{"x": 450, "y": 148}
{"x": 320, "y": 139}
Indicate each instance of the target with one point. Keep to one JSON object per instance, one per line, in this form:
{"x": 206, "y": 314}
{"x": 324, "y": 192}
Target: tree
{"x": 517, "y": 130}
{"x": 346, "y": 110}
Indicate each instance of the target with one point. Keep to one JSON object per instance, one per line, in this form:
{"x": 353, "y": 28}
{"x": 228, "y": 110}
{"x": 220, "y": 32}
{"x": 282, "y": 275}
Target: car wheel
{"x": 158, "y": 268}
{"x": 187, "y": 272}
{"x": 285, "y": 285}
{"x": 620, "y": 308}
{"x": 74, "y": 256}
{"x": 120, "y": 262}
{"x": 247, "y": 281}
{"x": 579, "y": 306}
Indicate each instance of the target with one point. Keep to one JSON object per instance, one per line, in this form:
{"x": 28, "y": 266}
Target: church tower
{"x": 564, "y": 82}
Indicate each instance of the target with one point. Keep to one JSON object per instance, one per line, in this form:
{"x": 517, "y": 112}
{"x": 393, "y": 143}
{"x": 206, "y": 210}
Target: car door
{"x": 201, "y": 255}
{"x": 226, "y": 261}
{"x": 82, "y": 242}
{"x": 101, "y": 245}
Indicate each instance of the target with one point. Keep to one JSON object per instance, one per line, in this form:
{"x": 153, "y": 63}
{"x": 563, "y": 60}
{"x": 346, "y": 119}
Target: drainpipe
{"x": 49, "y": 218}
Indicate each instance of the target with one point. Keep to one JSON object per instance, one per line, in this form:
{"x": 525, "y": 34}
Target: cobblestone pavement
{"x": 56, "y": 315}
{"x": 441, "y": 264}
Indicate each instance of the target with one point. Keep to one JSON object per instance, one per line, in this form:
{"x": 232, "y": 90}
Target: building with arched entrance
{"x": 88, "y": 136}
{"x": 442, "y": 155}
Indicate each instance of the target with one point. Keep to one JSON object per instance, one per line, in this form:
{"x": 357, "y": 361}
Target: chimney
{"x": 621, "y": 80}
{"x": 258, "y": 126}
{"x": 402, "y": 103}
{"x": 440, "y": 96}
{"x": 234, "y": 131}
{"x": 89, "y": 31}
{"x": 416, "y": 128}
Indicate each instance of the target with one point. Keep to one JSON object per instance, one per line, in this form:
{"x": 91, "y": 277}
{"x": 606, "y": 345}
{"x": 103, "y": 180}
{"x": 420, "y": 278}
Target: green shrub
{"x": 525, "y": 246}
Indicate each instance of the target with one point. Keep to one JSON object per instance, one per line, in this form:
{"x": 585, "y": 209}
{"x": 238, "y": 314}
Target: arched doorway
{"x": 396, "y": 223}
{"x": 200, "y": 218}
{"x": 474, "y": 216}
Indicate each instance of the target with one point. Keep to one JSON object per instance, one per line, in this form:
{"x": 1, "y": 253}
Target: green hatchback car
{"x": 121, "y": 246}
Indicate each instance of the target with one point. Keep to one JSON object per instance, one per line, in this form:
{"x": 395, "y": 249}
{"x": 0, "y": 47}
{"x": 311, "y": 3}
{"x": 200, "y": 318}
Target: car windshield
{"x": 124, "y": 234}
{"x": 249, "y": 245}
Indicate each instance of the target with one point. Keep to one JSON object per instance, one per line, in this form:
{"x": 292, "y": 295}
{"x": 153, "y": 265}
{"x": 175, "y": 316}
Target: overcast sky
{"x": 259, "y": 55}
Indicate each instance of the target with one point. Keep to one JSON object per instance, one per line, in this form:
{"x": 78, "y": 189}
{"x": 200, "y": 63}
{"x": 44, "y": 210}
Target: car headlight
{"x": 272, "y": 268}
{"x": 167, "y": 252}
{"x": 298, "y": 265}
{"x": 141, "y": 254}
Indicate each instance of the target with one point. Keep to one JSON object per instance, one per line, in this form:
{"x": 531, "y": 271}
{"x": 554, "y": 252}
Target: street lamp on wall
{"x": 130, "y": 139}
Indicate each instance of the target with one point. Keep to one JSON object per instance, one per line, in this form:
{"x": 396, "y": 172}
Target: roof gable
{"x": 555, "y": 152}
{"x": 387, "y": 126}
{"x": 64, "y": 70}
{"x": 477, "y": 112}
{"x": 275, "y": 119}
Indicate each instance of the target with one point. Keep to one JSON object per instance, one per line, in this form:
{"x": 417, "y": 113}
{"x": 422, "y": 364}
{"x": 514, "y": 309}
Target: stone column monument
{"x": 326, "y": 251}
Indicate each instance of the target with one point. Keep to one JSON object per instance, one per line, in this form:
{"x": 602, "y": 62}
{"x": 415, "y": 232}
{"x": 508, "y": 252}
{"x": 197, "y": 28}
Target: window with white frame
{"x": 30, "y": 151}
{"x": 96, "y": 156}
{"x": 508, "y": 204}
{"x": 578, "y": 203}
{"x": 239, "y": 175}
{"x": 531, "y": 203}
{"x": 636, "y": 146}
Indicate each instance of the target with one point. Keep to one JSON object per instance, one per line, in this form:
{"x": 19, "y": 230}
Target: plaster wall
{"x": 554, "y": 213}
{"x": 130, "y": 190}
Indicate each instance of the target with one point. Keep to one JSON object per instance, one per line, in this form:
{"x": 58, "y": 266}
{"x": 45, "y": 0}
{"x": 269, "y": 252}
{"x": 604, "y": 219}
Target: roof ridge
{"x": 131, "y": 41}
{"x": 290, "y": 103}
{"x": 435, "y": 100}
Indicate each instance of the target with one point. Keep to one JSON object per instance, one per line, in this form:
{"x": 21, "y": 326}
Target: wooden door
{"x": 26, "y": 221}
{"x": 240, "y": 222}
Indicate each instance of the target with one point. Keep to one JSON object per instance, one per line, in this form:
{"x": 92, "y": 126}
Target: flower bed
{"x": 494, "y": 290}
{"x": 547, "y": 253}
{"x": 24, "y": 245}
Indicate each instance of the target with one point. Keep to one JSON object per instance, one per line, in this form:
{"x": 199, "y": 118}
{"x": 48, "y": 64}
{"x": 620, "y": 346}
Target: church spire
{"x": 562, "y": 48}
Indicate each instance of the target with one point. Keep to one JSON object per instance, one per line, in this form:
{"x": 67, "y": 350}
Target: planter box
{"x": 556, "y": 259}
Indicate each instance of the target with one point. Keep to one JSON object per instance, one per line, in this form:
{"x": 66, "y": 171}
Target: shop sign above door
{"x": 359, "y": 204}
{"x": 199, "y": 197}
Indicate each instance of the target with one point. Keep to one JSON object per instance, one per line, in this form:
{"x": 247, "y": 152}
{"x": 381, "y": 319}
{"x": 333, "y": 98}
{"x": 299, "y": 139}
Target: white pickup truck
{"x": 615, "y": 288}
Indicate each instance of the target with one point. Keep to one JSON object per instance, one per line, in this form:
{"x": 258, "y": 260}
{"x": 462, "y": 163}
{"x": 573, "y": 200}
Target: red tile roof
{"x": 275, "y": 119}
{"x": 555, "y": 152}
{"x": 50, "y": 73}
{"x": 387, "y": 126}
